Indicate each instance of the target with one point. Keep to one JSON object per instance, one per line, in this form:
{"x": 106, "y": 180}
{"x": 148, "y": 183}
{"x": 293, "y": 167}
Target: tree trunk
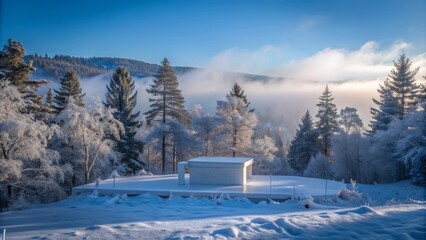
{"x": 174, "y": 159}
{"x": 163, "y": 155}
{"x": 163, "y": 146}
{"x": 234, "y": 142}
{"x": 10, "y": 191}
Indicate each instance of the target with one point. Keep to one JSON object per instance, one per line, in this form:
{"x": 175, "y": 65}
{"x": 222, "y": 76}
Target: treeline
{"x": 394, "y": 148}
{"x": 52, "y": 143}
{"x": 56, "y": 66}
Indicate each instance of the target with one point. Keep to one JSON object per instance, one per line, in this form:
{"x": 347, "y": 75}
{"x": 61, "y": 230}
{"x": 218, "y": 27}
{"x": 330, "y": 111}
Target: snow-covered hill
{"x": 392, "y": 211}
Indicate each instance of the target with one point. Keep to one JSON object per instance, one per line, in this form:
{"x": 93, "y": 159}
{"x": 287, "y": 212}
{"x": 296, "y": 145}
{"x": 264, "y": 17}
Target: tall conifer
{"x": 327, "y": 121}
{"x": 238, "y": 92}
{"x": 304, "y": 145}
{"x": 70, "y": 88}
{"x": 402, "y": 82}
{"x": 122, "y": 96}
{"x": 388, "y": 108}
{"x": 167, "y": 103}
{"x": 17, "y": 72}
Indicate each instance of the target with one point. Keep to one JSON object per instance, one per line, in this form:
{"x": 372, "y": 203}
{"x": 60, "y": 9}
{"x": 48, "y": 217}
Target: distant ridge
{"x": 53, "y": 68}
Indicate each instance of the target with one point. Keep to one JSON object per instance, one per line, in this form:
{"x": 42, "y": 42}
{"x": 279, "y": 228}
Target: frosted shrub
{"x": 348, "y": 195}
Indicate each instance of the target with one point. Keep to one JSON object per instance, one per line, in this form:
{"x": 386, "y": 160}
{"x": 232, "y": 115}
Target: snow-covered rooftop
{"x": 221, "y": 159}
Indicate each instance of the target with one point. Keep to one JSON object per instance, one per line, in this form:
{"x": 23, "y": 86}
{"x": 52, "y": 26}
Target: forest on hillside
{"x": 51, "y": 143}
{"x": 56, "y": 66}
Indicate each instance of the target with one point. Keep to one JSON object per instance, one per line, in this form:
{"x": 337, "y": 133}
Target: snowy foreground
{"x": 393, "y": 211}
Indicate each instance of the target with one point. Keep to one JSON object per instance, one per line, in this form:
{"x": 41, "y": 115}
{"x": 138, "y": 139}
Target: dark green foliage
{"x": 55, "y": 67}
{"x": 421, "y": 96}
{"x": 122, "y": 96}
{"x": 388, "y": 109}
{"x": 167, "y": 103}
{"x": 238, "y": 92}
{"x": 304, "y": 145}
{"x": 327, "y": 121}
{"x": 17, "y": 72}
{"x": 70, "y": 88}
{"x": 402, "y": 83}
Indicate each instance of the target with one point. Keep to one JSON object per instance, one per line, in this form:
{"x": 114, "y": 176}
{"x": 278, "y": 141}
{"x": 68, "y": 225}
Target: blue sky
{"x": 191, "y": 33}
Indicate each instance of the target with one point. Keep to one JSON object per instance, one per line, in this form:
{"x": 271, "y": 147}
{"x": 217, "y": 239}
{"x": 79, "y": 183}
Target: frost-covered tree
{"x": 49, "y": 98}
{"x": 238, "y": 125}
{"x": 350, "y": 120}
{"x": 411, "y": 145}
{"x": 350, "y": 155}
{"x": 87, "y": 133}
{"x": 70, "y": 88}
{"x": 319, "y": 167}
{"x": 327, "y": 121}
{"x": 121, "y": 96}
{"x": 388, "y": 109}
{"x": 238, "y": 92}
{"x": 167, "y": 103}
{"x": 180, "y": 143}
{"x": 402, "y": 82}
{"x": 29, "y": 170}
{"x": 383, "y": 148}
{"x": 265, "y": 161}
{"x": 304, "y": 145}
{"x": 17, "y": 72}
{"x": 207, "y": 128}
{"x": 183, "y": 144}
{"x": 421, "y": 96}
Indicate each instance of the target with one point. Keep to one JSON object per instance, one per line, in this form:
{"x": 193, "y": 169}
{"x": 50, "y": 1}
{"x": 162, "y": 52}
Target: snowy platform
{"x": 257, "y": 187}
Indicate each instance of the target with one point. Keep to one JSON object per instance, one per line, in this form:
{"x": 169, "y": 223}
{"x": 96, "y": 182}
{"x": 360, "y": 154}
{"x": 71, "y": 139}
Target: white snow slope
{"x": 392, "y": 211}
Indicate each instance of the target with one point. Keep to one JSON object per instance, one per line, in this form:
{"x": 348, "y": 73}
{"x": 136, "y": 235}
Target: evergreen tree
{"x": 167, "y": 103}
{"x": 422, "y": 92}
{"x": 238, "y": 92}
{"x": 17, "y": 72}
{"x": 49, "y": 98}
{"x": 388, "y": 109}
{"x": 122, "y": 97}
{"x": 327, "y": 121}
{"x": 304, "y": 145}
{"x": 403, "y": 84}
{"x": 70, "y": 88}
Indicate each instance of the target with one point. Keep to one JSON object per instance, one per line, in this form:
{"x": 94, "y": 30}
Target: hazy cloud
{"x": 353, "y": 77}
{"x": 242, "y": 60}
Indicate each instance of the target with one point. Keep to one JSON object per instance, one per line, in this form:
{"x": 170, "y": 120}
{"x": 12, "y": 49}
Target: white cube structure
{"x": 220, "y": 170}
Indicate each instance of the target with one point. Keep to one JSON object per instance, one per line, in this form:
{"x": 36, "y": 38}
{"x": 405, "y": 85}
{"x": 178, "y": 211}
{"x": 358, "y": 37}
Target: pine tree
{"x": 70, "y": 88}
{"x": 122, "y": 97}
{"x": 17, "y": 72}
{"x": 421, "y": 97}
{"x": 388, "y": 109}
{"x": 327, "y": 121}
{"x": 167, "y": 103}
{"x": 403, "y": 84}
{"x": 238, "y": 92}
{"x": 49, "y": 98}
{"x": 304, "y": 145}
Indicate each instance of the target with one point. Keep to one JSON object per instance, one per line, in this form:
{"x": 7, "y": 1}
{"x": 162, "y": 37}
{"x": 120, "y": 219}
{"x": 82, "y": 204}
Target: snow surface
{"x": 90, "y": 216}
{"x": 258, "y": 186}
